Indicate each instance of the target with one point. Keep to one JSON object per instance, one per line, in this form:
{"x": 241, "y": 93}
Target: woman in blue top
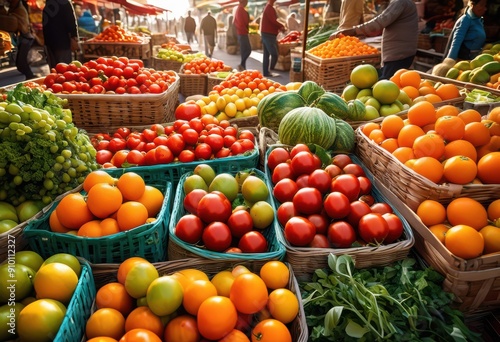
{"x": 468, "y": 35}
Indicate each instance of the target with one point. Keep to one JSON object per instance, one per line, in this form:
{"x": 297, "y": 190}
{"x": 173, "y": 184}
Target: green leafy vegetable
{"x": 397, "y": 302}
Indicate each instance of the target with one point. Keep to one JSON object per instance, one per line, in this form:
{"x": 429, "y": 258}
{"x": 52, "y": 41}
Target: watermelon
{"x": 333, "y": 105}
{"x": 345, "y": 137}
{"x": 307, "y": 125}
{"x": 310, "y": 91}
{"x": 357, "y": 110}
{"x": 273, "y": 107}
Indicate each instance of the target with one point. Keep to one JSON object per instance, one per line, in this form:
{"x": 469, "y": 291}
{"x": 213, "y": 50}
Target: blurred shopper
{"x": 189, "y": 28}
{"x": 398, "y": 24}
{"x": 241, "y": 22}
{"x": 20, "y": 30}
{"x": 468, "y": 35}
{"x": 269, "y": 29}
{"x": 59, "y": 31}
{"x": 208, "y": 28}
{"x": 86, "y": 23}
{"x": 292, "y": 23}
{"x": 351, "y": 13}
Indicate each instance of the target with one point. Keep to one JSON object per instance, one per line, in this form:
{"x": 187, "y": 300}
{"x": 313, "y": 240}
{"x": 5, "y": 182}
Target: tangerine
{"x": 464, "y": 241}
{"x": 131, "y": 185}
{"x": 467, "y": 211}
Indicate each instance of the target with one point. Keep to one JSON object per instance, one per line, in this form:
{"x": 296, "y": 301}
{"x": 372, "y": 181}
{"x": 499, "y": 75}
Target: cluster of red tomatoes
{"x": 330, "y": 207}
{"x": 182, "y": 141}
{"x": 108, "y": 75}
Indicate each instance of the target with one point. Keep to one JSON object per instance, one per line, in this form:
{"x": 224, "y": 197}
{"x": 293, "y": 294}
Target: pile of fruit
{"x": 117, "y": 34}
{"x": 108, "y": 75}
{"x": 482, "y": 70}
{"x": 175, "y": 55}
{"x": 346, "y": 46}
{"x": 204, "y": 65}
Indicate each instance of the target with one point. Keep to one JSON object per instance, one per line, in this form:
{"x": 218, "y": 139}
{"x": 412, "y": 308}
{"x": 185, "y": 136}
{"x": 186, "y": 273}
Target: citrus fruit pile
{"x": 115, "y": 33}
{"x": 203, "y": 65}
{"x": 444, "y": 145}
{"x": 109, "y": 206}
{"x": 343, "y": 47}
{"x": 466, "y": 227}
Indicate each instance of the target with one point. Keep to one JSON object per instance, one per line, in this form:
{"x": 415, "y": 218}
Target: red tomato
{"x": 365, "y": 185}
{"x": 229, "y": 140}
{"x": 347, "y": 184}
{"x": 299, "y": 231}
{"x": 281, "y": 171}
{"x": 381, "y": 208}
{"x": 163, "y": 155}
{"x": 230, "y": 131}
{"x": 303, "y": 163}
{"x": 368, "y": 199}
{"x": 103, "y": 156}
{"x": 223, "y": 152}
{"x": 253, "y": 242}
{"x": 214, "y": 207}
{"x": 188, "y": 110}
{"x": 190, "y": 136}
{"x": 341, "y": 160}
{"x": 123, "y": 132}
{"x": 160, "y": 140}
{"x": 150, "y": 157}
{"x": 395, "y": 227}
{"x": 203, "y": 151}
{"x": 189, "y": 228}
{"x": 308, "y": 201}
{"x": 246, "y": 134}
{"x": 236, "y": 148}
{"x": 302, "y": 181}
{"x": 276, "y": 156}
{"x": 285, "y": 212}
{"x": 133, "y": 141}
{"x": 354, "y": 169}
{"x": 336, "y": 205}
{"x": 320, "y": 222}
{"x": 240, "y": 222}
{"x": 373, "y": 228}
{"x": 321, "y": 180}
{"x": 192, "y": 199}
{"x": 215, "y": 141}
{"x": 176, "y": 143}
{"x": 319, "y": 241}
{"x": 341, "y": 234}
{"x": 186, "y": 156}
{"x": 119, "y": 158}
{"x": 182, "y": 328}
{"x": 285, "y": 189}
{"x": 135, "y": 157}
{"x": 358, "y": 210}
{"x": 299, "y": 148}
{"x": 217, "y": 237}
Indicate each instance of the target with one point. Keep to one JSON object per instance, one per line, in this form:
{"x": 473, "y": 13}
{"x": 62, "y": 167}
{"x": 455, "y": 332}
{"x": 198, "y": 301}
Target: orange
{"x": 403, "y": 154}
{"x": 275, "y": 274}
{"x": 491, "y": 236}
{"x": 90, "y": 229}
{"x": 447, "y": 110}
{"x": 104, "y": 199}
{"x": 410, "y": 78}
{"x": 249, "y": 293}
{"x": 368, "y": 127}
{"x": 131, "y": 185}
{"x": 429, "y": 145}
{"x": 73, "y": 211}
{"x": 271, "y": 330}
{"x": 140, "y": 335}
{"x": 217, "y": 317}
{"x": 391, "y": 125}
{"x": 431, "y": 212}
{"x": 97, "y": 176}
{"x": 152, "y": 199}
{"x": 412, "y": 92}
{"x": 125, "y": 267}
{"x": 459, "y": 170}
{"x": 450, "y": 127}
{"x": 130, "y": 215}
{"x": 422, "y": 113}
{"x": 109, "y": 226}
{"x": 487, "y": 168}
{"x": 143, "y": 318}
{"x": 439, "y": 230}
{"x": 396, "y": 78}
{"x": 377, "y": 136}
{"x": 468, "y": 211}
{"x": 114, "y": 295}
{"x": 464, "y": 241}
{"x": 494, "y": 210}
{"x": 447, "y": 91}
{"x": 494, "y": 115}
{"x": 429, "y": 168}
{"x": 389, "y": 144}
{"x": 196, "y": 293}
{"x": 493, "y": 127}
{"x": 235, "y": 336}
{"x": 470, "y": 115}
{"x": 408, "y": 134}
{"x": 425, "y": 90}
{"x": 476, "y": 133}
{"x": 55, "y": 281}
{"x": 460, "y": 148}
{"x": 105, "y": 322}
{"x": 283, "y": 305}
{"x": 55, "y": 225}
{"x": 432, "y": 98}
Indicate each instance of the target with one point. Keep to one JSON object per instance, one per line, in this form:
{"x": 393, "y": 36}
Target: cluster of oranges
{"x": 203, "y": 65}
{"x": 346, "y": 46}
{"x": 251, "y": 79}
{"x": 463, "y": 225}
{"x": 115, "y": 33}
{"x": 445, "y": 145}
{"x": 419, "y": 89}
{"x": 188, "y": 305}
{"x": 109, "y": 206}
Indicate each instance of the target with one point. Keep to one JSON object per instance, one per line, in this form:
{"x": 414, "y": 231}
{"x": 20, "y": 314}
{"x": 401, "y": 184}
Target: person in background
{"x": 468, "y": 35}
{"x": 398, "y": 24}
{"x": 22, "y": 34}
{"x": 189, "y": 28}
{"x": 60, "y": 31}
{"x": 351, "y": 13}
{"x": 86, "y": 23}
{"x": 241, "y": 21}
{"x": 440, "y": 10}
{"x": 292, "y": 23}
{"x": 269, "y": 29}
{"x": 208, "y": 28}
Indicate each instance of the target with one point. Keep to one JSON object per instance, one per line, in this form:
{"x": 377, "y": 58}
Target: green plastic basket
{"x": 79, "y": 308}
{"x": 148, "y": 241}
{"x": 178, "y": 249}
{"x": 305, "y": 260}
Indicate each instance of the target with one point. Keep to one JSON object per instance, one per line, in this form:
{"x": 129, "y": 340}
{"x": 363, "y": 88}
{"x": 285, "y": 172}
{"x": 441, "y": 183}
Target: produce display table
{"x": 94, "y": 49}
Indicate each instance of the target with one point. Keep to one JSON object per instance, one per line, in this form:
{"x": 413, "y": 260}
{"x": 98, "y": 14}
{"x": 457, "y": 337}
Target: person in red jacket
{"x": 269, "y": 29}
{"x": 240, "y": 22}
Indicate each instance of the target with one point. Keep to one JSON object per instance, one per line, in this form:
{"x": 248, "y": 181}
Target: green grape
{"x": 3, "y": 172}
{"x": 67, "y": 164}
{"x": 25, "y": 116}
{"x": 17, "y": 180}
{"x": 14, "y": 125}
{"x": 20, "y": 132}
{"x": 27, "y": 129}
{"x": 49, "y": 174}
{"x": 66, "y": 178}
{"x": 35, "y": 116}
{"x": 54, "y": 149}
{"x": 13, "y": 170}
{"x": 57, "y": 167}
{"x": 66, "y": 153}
{"x": 15, "y": 118}
{"x": 60, "y": 159}
{"x": 48, "y": 184}
{"x": 4, "y": 117}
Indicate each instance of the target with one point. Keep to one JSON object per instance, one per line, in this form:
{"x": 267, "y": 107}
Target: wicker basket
{"x": 148, "y": 241}
{"x": 79, "y": 309}
{"x": 475, "y": 282}
{"x": 193, "y": 84}
{"x": 424, "y": 41}
{"x": 105, "y": 273}
{"x": 213, "y": 80}
{"x": 98, "y": 112}
{"x": 411, "y": 187}
{"x": 333, "y": 73}
{"x": 93, "y": 49}
{"x": 178, "y": 249}
{"x": 305, "y": 260}
{"x": 165, "y": 64}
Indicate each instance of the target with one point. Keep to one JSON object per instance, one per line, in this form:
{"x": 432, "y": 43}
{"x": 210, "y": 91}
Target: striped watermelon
{"x": 310, "y": 91}
{"x": 345, "y": 137}
{"x": 273, "y": 107}
{"x": 333, "y": 105}
{"x": 357, "y": 110}
{"x": 308, "y": 126}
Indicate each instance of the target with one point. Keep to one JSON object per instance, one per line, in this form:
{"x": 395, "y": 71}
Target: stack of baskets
{"x": 192, "y": 84}
{"x": 166, "y": 64}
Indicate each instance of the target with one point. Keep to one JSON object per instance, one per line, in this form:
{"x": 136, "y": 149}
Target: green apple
{"x": 6, "y": 225}
{"x": 364, "y": 92}
{"x": 8, "y": 212}
{"x": 350, "y": 92}
{"x": 404, "y": 98}
{"x": 27, "y": 210}
{"x": 205, "y": 171}
{"x": 373, "y": 102}
{"x": 399, "y": 104}
{"x": 389, "y": 109}
{"x": 371, "y": 113}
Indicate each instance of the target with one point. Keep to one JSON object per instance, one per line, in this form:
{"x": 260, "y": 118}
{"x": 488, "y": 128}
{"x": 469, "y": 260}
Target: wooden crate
{"x": 333, "y": 72}
{"x": 93, "y": 49}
